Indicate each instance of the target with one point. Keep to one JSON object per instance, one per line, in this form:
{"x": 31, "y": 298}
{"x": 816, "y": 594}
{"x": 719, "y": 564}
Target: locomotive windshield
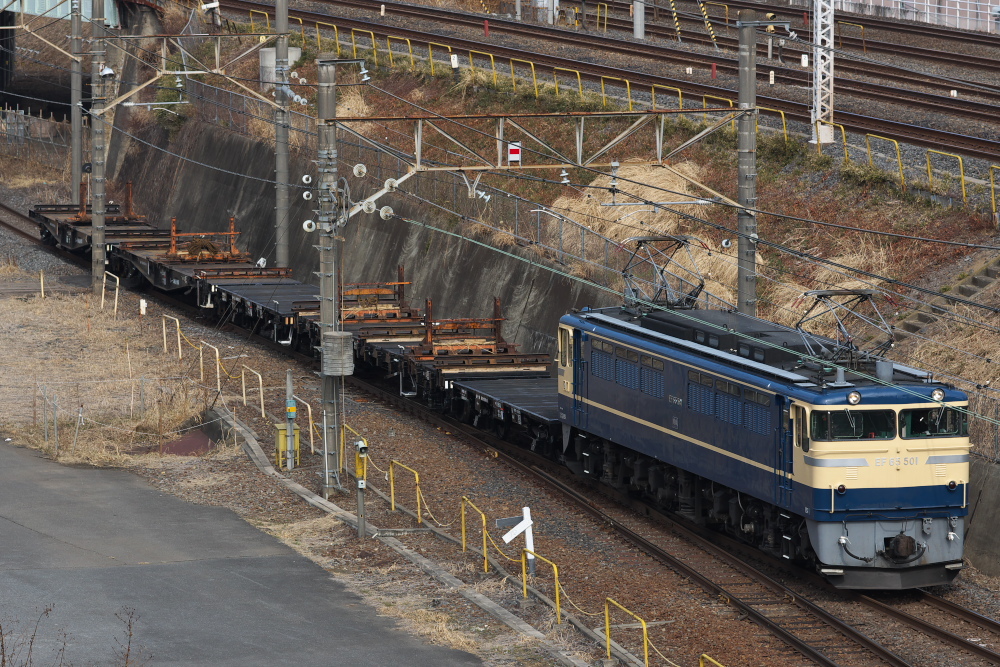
{"x": 933, "y": 423}
{"x": 854, "y": 425}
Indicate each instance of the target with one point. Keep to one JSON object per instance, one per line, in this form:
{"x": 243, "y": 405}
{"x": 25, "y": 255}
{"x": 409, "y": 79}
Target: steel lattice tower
{"x": 822, "y": 107}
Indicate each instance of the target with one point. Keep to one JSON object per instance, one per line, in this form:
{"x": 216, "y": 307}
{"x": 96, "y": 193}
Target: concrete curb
{"x": 260, "y": 459}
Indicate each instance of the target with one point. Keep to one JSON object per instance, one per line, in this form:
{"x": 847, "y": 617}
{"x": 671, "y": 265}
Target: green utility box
{"x": 281, "y": 445}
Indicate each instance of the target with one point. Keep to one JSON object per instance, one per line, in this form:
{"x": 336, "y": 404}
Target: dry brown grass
{"x": 132, "y": 396}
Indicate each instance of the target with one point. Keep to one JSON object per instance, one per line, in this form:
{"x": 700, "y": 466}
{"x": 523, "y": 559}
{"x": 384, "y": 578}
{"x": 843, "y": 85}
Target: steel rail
{"x": 962, "y": 613}
{"x": 927, "y": 137}
{"x": 930, "y": 629}
{"x": 507, "y": 451}
{"x": 889, "y": 25}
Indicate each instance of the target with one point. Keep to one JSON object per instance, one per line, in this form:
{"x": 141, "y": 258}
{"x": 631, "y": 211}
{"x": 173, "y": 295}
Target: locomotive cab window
{"x": 563, "y": 347}
{"x": 853, "y": 425}
{"x": 933, "y": 423}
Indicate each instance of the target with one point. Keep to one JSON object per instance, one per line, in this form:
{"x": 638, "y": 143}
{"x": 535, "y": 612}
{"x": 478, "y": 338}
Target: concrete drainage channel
{"x": 227, "y": 424}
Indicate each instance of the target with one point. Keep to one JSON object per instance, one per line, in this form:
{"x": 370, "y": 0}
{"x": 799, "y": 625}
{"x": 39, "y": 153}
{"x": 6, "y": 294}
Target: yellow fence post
{"x": 260, "y": 380}
{"x": 302, "y": 27}
{"x": 486, "y": 560}
{"x": 513, "y": 78}
{"x": 409, "y": 45}
{"x": 607, "y": 628}
{"x": 392, "y": 487}
{"x": 555, "y": 570}
{"x": 493, "y": 64}
{"x": 628, "y": 90}
{"x": 843, "y": 136}
{"x": 704, "y": 105}
{"x": 336, "y": 36}
{"x": 163, "y": 319}
{"x": 993, "y": 194}
{"x": 784, "y": 123}
{"x": 218, "y": 366}
{"x": 680, "y": 95}
{"x": 371, "y": 35}
{"x": 961, "y": 170}
{"x": 899, "y": 156}
{"x": 579, "y": 80}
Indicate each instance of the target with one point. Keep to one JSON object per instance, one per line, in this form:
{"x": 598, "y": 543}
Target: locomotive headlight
{"x": 841, "y": 489}
{"x": 854, "y": 398}
{"x": 952, "y": 485}
{"x": 938, "y": 394}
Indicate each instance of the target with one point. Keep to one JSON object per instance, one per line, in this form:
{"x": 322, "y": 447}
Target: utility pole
{"x": 747, "y": 161}
{"x": 822, "y": 106}
{"x": 76, "y": 96}
{"x": 97, "y": 153}
{"x": 281, "y": 134}
{"x": 338, "y": 359}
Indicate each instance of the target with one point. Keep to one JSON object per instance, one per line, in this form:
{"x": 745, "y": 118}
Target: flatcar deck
{"x": 536, "y": 397}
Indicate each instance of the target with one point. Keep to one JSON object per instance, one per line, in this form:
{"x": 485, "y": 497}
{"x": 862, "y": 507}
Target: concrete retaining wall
{"x": 460, "y": 277}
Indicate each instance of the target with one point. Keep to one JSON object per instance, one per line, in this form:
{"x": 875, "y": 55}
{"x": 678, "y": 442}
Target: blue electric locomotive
{"x": 860, "y": 467}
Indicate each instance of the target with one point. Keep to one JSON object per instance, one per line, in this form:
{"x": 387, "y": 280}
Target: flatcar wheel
{"x": 502, "y": 428}
{"x": 465, "y": 413}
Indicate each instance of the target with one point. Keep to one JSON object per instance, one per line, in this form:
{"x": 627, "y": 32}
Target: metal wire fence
{"x": 33, "y": 137}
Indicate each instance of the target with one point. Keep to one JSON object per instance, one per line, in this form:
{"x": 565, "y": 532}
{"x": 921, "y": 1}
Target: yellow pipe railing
{"x": 840, "y": 35}
{"x": 843, "y": 136}
{"x": 260, "y": 379}
{"x": 607, "y": 628}
{"x": 253, "y": 26}
{"x": 302, "y": 27}
{"x": 486, "y": 560}
{"x": 513, "y": 78}
{"x": 163, "y": 319}
{"x": 336, "y": 36}
{"x": 579, "y": 79}
{"x": 961, "y": 170}
{"x": 680, "y": 95}
{"x": 704, "y": 105}
{"x": 628, "y": 90}
{"x": 218, "y": 366}
{"x": 371, "y": 35}
{"x": 705, "y": 659}
{"x": 555, "y": 570}
{"x": 409, "y": 45}
{"x": 599, "y": 5}
{"x": 309, "y": 412}
{"x": 899, "y": 156}
{"x": 430, "y": 53}
{"x": 784, "y": 123}
{"x": 726, "y": 7}
{"x": 104, "y": 287}
{"x": 493, "y": 64}
{"x": 392, "y": 487}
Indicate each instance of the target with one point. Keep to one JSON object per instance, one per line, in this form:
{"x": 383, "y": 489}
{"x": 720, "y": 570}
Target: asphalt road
{"x": 208, "y": 588}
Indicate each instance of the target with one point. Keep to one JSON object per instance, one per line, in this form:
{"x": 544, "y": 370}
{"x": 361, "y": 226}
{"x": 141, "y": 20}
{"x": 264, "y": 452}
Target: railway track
{"x": 816, "y": 633}
{"x": 695, "y": 34}
{"x": 856, "y": 123}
